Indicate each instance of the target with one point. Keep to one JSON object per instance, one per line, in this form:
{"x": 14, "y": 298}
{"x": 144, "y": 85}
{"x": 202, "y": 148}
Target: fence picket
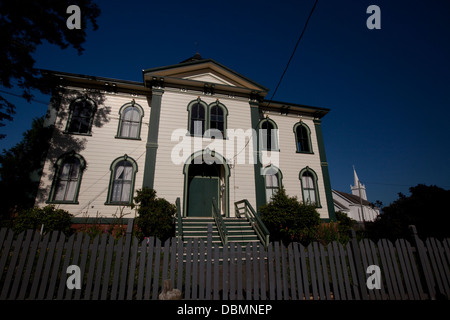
{"x": 48, "y": 264}
{"x": 216, "y": 272}
{"x": 132, "y": 269}
{"x": 255, "y": 271}
{"x": 29, "y": 266}
{"x": 156, "y": 270}
{"x": 18, "y": 274}
{"x": 92, "y": 263}
{"x": 149, "y": 268}
{"x": 140, "y": 284}
{"x": 56, "y": 266}
{"x": 239, "y": 271}
{"x": 108, "y": 262}
{"x": 99, "y": 272}
{"x": 248, "y": 272}
{"x": 12, "y": 266}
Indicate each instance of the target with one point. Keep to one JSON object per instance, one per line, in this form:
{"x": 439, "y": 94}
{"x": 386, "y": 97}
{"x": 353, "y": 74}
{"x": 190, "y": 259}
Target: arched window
{"x": 310, "y": 192}
{"x": 302, "y": 138}
{"x": 121, "y": 187}
{"x": 81, "y": 116}
{"x": 272, "y": 177}
{"x": 218, "y": 118}
{"x": 66, "y": 183}
{"x": 130, "y": 121}
{"x": 268, "y": 133}
{"x": 197, "y": 117}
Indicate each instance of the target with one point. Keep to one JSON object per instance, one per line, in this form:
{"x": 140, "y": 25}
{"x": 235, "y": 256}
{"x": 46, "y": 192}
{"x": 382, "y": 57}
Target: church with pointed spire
{"x": 355, "y": 205}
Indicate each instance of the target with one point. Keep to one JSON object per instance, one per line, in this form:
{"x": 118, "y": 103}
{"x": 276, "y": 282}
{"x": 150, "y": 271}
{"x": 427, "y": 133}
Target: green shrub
{"x": 53, "y": 220}
{"x": 289, "y": 220}
{"x": 155, "y": 215}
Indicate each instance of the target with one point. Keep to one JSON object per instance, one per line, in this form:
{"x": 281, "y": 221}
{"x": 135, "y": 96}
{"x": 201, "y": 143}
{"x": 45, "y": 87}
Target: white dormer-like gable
{"x": 211, "y": 78}
{"x": 199, "y": 72}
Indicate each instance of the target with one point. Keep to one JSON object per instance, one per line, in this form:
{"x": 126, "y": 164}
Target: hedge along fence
{"x": 35, "y": 267}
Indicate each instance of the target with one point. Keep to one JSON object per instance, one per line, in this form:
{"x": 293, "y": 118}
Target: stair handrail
{"x": 223, "y": 232}
{"x": 180, "y": 220}
{"x": 255, "y": 220}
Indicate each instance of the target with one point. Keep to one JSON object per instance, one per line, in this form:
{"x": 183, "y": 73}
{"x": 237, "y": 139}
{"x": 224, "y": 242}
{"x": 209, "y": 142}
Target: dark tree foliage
{"x": 427, "y": 208}
{"x": 20, "y": 169}
{"x": 288, "y": 220}
{"x": 24, "y": 25}
{"x": 156, "y": 215}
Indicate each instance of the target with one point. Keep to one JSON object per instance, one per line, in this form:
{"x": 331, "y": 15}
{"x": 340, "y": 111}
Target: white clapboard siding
{"x": 169, "y": 177}
{"x": 99, "y": 150}
{"x": 291, "y": 162}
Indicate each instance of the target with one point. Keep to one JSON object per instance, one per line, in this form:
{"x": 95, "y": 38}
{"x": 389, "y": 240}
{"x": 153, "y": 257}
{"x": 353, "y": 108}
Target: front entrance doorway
{"x": 206, "y": 177}
{"x": 203, "y": 186}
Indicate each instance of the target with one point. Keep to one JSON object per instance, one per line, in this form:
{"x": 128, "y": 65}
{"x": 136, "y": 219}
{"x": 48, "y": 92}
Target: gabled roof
{"x": 196, "y": 71}
{"x": 351, "y": 198}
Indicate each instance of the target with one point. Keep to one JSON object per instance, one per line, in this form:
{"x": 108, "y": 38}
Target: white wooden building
{"x": 355, "y": 205}
{"x": 195, "y": 130}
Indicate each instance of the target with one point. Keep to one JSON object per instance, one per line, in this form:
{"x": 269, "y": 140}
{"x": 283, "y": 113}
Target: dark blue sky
{"x": 388, "y": 90}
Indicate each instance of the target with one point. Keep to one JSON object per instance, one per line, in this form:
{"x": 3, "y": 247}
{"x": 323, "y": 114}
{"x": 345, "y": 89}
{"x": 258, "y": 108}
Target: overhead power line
{"x": 295, "y": 49}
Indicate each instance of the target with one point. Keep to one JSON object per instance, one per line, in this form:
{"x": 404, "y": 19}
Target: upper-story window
{"x": 218, "y": 118}
{"x": 197, "y": 117}
{"x": 268, "y": 134}
{"x": 203, "y": 117}
{"x": 130, "y": 121}
{"x": 302, "y": 138}
{"x": 66, "y": 183}
{"x": 81, "y": 116}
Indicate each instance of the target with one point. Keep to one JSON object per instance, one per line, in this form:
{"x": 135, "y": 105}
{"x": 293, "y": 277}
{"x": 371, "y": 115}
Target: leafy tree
{"x": 53, "y": 220}
{"x": 20, "y": 168}
{"x": 427, "y": 208}
{"x": 25, "y": 24}
{"x": 289, "y": 220}
{"x": 156, "y": 215}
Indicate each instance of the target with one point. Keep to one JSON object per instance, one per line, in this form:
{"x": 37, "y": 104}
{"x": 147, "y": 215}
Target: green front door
{"x": 201, "y": 192}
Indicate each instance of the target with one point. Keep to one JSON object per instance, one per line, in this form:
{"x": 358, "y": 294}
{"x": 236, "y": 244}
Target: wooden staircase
{"x": 239, "y": 230}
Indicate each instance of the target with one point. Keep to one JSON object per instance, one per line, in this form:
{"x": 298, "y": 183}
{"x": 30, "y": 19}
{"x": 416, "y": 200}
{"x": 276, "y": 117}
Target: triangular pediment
{"x": 204, "y": 71}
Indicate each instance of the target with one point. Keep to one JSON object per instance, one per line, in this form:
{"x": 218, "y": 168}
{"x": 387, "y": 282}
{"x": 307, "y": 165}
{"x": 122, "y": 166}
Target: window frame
{"x": 317, "y": 204}
{"x": 111, "y": 181}
{"x": 56, "y": 178}
{"x": 121, "y": 120}
{"x": 225, "y": 119}
{"x": 261, "y": 136}
{"x": 299, "y": 126}
{"x": 71, "y": 112}
{"x": 279, "y": 176}
{"x": 189, "y": 109}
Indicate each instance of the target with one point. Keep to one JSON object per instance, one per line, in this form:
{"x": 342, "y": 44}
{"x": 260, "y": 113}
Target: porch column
{"x": 152, "y": 138}
{"x": 259, "y": 179}
{"x": 325, "y": 172}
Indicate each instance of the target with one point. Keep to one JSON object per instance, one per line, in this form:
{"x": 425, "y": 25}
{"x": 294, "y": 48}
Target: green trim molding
{"x": 112, "y": 168}
{"x": 316, "y": 186}
{"x": 325, "y": 172}
{"x": 221, "y": 161}
{"x": 57, "y": 166}
{"x": 308, "y": 132}
{"x": 260, "y": 188}
{"x": 152, "y": 138}
{"x": 121, "y": 112}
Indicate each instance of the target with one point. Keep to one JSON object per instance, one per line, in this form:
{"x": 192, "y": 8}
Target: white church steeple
{"x": 358, "y": 189}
